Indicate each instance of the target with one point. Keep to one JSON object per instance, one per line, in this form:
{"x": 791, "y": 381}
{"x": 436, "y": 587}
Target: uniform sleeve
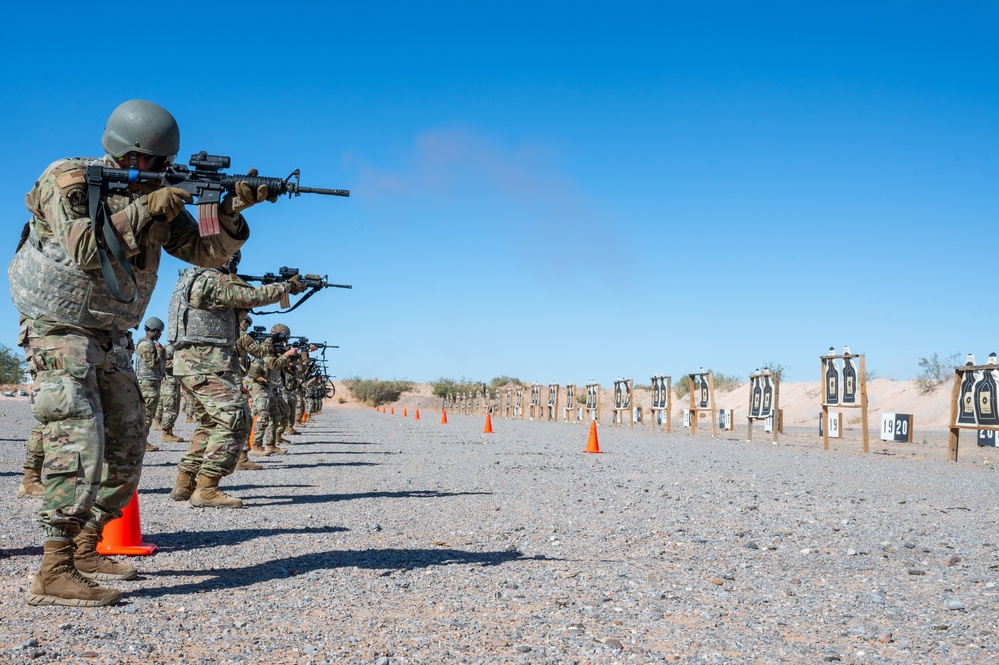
{"x": 186, "y": 243}
{"x": 225, "y": 293}
{"x": 247, "y": 344}
{"x": 59, "y": 200}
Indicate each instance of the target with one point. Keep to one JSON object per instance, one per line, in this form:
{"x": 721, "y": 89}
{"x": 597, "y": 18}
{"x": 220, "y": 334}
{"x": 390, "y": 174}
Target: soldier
{"x": 73, "y": 318}
{"x": 150, "y": 368}
{"x": 263, "y": 382}
{"x": 169, "y": 405}
{"x": 203, "y": 331}
{"x": 246, "y": 346}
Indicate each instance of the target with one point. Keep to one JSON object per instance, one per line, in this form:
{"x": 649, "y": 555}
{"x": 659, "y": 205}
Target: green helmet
{"x": 141, "y": 126}
{"x": 280, "y": 329}
{"x": 153, "y": 323}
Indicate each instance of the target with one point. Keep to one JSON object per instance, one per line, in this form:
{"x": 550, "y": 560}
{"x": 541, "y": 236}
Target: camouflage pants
{"x": 223, "y": 419}
{"x": 150, "y": 390}
{"x": 281, "y": 415}
{"x": 169, "y": 404}
{"x": 87, "y": 401}
{"x": 262, "y": 408}
{"x": 36, "y": 450}
{"x": 299, "y": 405}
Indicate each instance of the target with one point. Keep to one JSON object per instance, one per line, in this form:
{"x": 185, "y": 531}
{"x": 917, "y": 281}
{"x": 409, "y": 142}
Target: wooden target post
{"x": 972, "y": 401}
{"x": 551, "y": 414}
{"x": 518, "y": 405}
{"x": 622, "y": 402}
{"x": 764, "y": 401}
{"x": 593, "y": 401}
{"x": 702, "y": 398}
{"x": 850, "y": 393}
{"x": 534, "y": 410}
{"x": 662, "y": 402}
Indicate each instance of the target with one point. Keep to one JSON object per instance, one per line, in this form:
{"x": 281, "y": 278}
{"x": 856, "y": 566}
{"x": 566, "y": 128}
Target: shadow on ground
{"x": 388, "y": 560}
{"x": 284, "y": 499}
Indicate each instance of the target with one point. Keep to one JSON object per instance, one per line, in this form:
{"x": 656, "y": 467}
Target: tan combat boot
{"x": 183, "y": 487}
{"x": 290, "y": 430}
{"x": 257, "y": 450}
{"x": 92, "y": 565}
{"x": 156, "y": 425}
{"x": 58, "y": 582}
{"x": 208, "y": 495}
{"x": 151, "y": 448}
{"x": 169, "y": 437}
{"x": 244, "y": 463}
{"x": 271, "y": 449}
{"x": 32, "y": 484}
{"x": 281, "y": 439}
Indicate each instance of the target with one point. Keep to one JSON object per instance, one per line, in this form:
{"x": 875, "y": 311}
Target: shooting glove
{"x": 236, "y": 202}
{"x": 166, "y": 202}
{"x": 297, "y": 286}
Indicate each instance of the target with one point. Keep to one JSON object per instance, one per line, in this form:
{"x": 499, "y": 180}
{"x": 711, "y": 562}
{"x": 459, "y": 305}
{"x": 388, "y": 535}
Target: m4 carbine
{"x": 314, "y": 283}
{"x": 206, "y": 183}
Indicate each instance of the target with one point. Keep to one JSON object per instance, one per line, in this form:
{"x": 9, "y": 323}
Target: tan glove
{"x": 297, "y": 286}
{"x": 167, "y": 202}
{"x": 236, "y": 202}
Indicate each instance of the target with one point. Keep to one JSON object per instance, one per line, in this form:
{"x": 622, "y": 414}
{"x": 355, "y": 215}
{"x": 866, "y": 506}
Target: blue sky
{"x": 569, "y": 191}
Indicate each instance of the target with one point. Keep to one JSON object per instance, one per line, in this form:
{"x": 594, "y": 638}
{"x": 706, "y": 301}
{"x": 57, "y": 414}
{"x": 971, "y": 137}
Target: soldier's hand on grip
{"x": 244, "y": 196}
{"x": 297, "y": 286}
{"x": 167, "y": 202}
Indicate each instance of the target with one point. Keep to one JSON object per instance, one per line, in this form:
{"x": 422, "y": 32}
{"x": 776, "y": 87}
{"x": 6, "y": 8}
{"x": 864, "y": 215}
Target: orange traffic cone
{"x": 392, "y": 412}
{"x": 305, "y": 416}
{"x": 591, "y": 445}
{"x": 417, "y": 415}
{"x": 124, "y": 535}
{"x": 253, "y": 427}
{"x": 443, "y": 417}
{"x": 404, "y": 414}
{"x": 489, "y": 425}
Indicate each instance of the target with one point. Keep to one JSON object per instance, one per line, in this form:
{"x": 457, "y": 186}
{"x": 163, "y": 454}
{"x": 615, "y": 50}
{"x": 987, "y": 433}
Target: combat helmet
{"x": 143, "y": 127}
{"x": 153, "y": 323}
{"x": 280, "y": 329}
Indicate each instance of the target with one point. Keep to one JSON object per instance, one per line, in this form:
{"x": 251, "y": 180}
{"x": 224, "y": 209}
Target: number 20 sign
{"x": 896, "y": 427}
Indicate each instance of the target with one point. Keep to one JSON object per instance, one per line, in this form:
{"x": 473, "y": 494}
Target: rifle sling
{"x": 105, "y": 236}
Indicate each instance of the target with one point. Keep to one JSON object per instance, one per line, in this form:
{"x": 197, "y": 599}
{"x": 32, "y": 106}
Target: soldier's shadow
{"x": 388, "y": 560}
{"x": 179, "y": 541}
{"x": 318, "y": 464}
{"x": 290, "y": 499}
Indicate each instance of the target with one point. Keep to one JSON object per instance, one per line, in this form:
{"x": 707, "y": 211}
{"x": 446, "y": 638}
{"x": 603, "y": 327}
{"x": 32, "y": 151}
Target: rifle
{"x": 205, "y": 182}
{"x": 303, "y": 343}
{"x": 312, "y": 281}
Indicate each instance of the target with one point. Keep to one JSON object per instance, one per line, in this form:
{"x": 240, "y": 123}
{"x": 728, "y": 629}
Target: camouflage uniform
{"x": 150, "y": 368}
{"x": 204, "y": 331}
{"x": 246, "y": 347}
{"x": 263, "y": 379}
{"x": 169, "y": 404}
{"x": 85, "y": 393}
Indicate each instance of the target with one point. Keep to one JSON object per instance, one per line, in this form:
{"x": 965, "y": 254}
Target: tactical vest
{"x": 191, "y": 325}
{"x": 44, "y": 282}
{"x": 143, "y": 372}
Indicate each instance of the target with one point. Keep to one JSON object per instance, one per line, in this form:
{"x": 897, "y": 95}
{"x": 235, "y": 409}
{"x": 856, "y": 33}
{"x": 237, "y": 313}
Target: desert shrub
{"x": 934, "y": 371}
{"x": 776, "y": 368}
{"x": 443, "y": 387}
{"x": 500, "y": 381}
{"x": 12, "y": 366}
{"x": 376, "y": 391}
{"x": 722, "y": 382}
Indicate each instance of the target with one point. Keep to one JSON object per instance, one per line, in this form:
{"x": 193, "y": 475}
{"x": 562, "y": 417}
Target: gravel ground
{"x": 382, "y": 539}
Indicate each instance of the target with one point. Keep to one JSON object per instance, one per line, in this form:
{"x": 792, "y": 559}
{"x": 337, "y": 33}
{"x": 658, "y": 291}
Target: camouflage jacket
{"x": 217, "y": 290}
{"x": 150, "y": 362}
{"x": 61, "y": 223}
